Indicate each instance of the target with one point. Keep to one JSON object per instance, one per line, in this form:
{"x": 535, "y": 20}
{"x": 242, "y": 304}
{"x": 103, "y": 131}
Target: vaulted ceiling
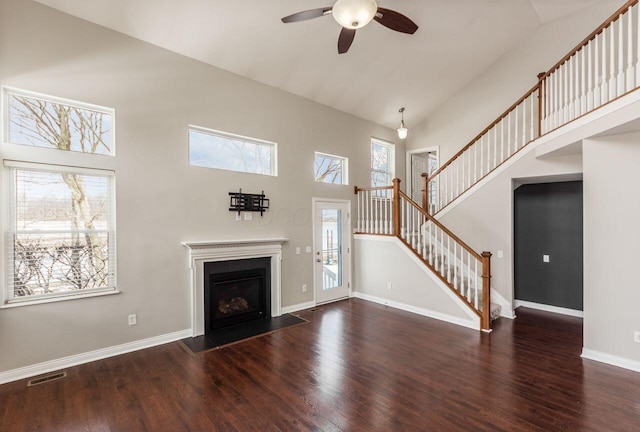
{"x": 382, "y": 71}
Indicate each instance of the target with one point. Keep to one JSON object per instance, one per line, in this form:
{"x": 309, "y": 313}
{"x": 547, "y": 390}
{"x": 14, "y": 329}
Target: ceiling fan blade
{"x": 395, "y": 21}
{"x": 306, "y": 15}
{"x": 345, "y": 40}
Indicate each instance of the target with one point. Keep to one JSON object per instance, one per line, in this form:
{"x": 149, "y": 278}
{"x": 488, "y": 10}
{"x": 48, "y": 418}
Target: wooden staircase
{"x": 604, "y": 67}
{"x": 387, "y": 211}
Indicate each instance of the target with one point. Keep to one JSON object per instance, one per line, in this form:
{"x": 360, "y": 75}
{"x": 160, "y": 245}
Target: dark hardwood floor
{"x": 356, "y": 366}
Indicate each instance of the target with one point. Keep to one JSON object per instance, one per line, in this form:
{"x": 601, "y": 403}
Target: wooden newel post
{"x": 486, "y": 291}
{"x": 541, "y": 82}
{"x": 425, "y": 192}
{"x": 396, "y": 207}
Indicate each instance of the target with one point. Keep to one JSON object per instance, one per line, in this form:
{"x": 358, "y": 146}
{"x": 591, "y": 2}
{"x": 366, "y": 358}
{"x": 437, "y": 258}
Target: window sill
{"x": 58, "y": 299}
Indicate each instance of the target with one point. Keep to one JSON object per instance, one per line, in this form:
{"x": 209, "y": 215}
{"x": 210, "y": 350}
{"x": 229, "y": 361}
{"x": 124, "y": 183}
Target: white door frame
{"x": 347, "y": 261}
{"x": 409, "y": 187}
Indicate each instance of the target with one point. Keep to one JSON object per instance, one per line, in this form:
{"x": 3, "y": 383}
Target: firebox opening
{"x": 236, "y": 291}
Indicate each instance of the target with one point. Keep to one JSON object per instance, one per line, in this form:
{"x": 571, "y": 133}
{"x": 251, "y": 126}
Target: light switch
{"x": 545, "y": 258}
{"x": 308, "y": 249}
{"x": 248, "y": 216}
{"x": 298, "y": 251}
{"x": 500, "y": 254}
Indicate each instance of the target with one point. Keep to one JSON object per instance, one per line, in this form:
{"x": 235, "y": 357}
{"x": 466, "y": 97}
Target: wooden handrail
{"x": 487, "y": 129}
{"x": 592, "y": 36}
{"x": 357, "y": 189}
{"x": 541, "y": 78}
{"x": 442, "y": 227}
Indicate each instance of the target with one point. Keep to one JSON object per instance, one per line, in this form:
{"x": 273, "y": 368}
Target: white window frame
{"x": 391, "y": 162}
{"x": 8, "y": 91}
{"x": 45, "y": 158}
{"x": 273, "y": 169}
{"x": 345, "y": 168}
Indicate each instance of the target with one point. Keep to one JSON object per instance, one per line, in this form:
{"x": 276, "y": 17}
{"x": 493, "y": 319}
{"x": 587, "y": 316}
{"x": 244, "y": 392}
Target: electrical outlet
{"x": 133, "y": 319}
{"x": 545, "y": 258}
{"x": 304, "y": 287}
{"x": 297, "y": 251}
{"x": 389, "y": 286}
{"x": 636, "y": 336}
{"x": 248, "y": 216}
{"x": 238, "y": 216}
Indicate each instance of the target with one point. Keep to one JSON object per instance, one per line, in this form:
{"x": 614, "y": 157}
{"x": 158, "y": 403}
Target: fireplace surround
{"x": 202, "y": 252}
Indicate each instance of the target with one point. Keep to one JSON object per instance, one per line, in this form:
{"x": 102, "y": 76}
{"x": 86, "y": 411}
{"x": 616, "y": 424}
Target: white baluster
{"x": 590, "y": 65}
{"x": 583, "y": 81}
{"x": 604, "y": 88}
{"x": 569, "y": 89}
{"x": 391, "y": 216}
{"x": 630, "y": 76}
{"x": 612, "y": 61}
{"x": 637, "y": 62}
{"x": 495, "y": 148}
{"x": 516, "y": 124}
{"x": 475, "y": 162}
{"x": 429, "y": 242}
{"x": 456, "y": 282}
{"x": 413, "y": 224}
{"x": 477, "y": 276}
{"x": 448, "y": 268}
{"x": 533, "y": 114}
{"x": 621, "y": 84}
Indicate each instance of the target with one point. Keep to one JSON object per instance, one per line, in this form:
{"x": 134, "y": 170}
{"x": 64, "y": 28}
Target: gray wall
{"x": 161, "y": 201}
{"x": 547, "y": 220}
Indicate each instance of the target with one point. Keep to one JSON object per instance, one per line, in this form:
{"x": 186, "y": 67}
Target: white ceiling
{"x": 383, "y": 70}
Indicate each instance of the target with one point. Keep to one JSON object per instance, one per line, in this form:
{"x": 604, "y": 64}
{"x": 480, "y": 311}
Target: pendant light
{"x": 402, "y": 130}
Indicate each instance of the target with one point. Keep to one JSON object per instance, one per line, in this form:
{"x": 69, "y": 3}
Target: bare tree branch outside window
{"x": 329, "y": 169}
{"x": 60, "y": 237}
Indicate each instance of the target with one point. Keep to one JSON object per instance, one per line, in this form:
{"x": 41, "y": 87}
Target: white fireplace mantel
{"x": 201, "y": 252}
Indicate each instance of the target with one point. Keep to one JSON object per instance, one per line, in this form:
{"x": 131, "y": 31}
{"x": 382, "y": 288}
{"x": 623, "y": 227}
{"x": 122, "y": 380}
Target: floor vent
{"x": 316, "y": 309}
{"x": 48, "y": 378}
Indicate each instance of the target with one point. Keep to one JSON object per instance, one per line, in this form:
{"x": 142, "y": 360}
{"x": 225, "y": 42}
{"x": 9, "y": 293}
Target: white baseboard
{"x": 610, "y": 359}
{"x": 297, "y": 307}
{"x": 74, "y": 360}
{"x": 472, "y": 324}
{"x": 549, "y": 308}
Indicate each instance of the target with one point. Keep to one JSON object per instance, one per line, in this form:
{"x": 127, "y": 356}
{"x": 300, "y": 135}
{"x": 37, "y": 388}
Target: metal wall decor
{"x": 240, "y": 202}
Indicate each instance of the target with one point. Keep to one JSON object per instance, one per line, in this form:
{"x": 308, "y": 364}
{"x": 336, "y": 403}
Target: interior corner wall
{"x": 461, "y": 118}
{"x": 484, "y": 219}
{"x": 161, "y": 200}
{"x": 611, "y": 235}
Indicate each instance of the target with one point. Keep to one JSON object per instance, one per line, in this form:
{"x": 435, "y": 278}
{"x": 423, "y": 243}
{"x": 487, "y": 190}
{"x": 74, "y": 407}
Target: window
{"x": 382, "y": 163}
{"x": 331, "y": 169}
{"x": 60, "y": 231}
{"x": 45, "y": 121}
{"x": 219, "y": 150}
{"x": 59, "y": 227}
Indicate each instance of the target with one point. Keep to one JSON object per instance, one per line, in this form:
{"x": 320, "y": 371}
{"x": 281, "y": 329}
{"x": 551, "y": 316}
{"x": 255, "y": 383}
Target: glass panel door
{"x": 331, "y": 245}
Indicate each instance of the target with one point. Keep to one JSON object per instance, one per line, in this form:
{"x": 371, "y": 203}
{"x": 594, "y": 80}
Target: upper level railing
{"x": 600, "y": 69}
{"x": 388, "y": 211}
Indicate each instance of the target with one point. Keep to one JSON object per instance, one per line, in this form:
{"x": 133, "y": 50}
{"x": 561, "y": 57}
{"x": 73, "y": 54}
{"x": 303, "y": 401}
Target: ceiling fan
{"x": 355, "y": 14}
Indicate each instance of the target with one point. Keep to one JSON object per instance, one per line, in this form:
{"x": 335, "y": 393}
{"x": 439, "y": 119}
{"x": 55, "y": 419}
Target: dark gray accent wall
{"x": 548, "y": 221}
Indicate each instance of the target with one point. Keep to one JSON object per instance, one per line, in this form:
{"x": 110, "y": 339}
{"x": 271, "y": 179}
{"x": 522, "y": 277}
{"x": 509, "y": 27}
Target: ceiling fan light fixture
{"x": 402, "y": 130}
{"x": 354, "y": 14}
